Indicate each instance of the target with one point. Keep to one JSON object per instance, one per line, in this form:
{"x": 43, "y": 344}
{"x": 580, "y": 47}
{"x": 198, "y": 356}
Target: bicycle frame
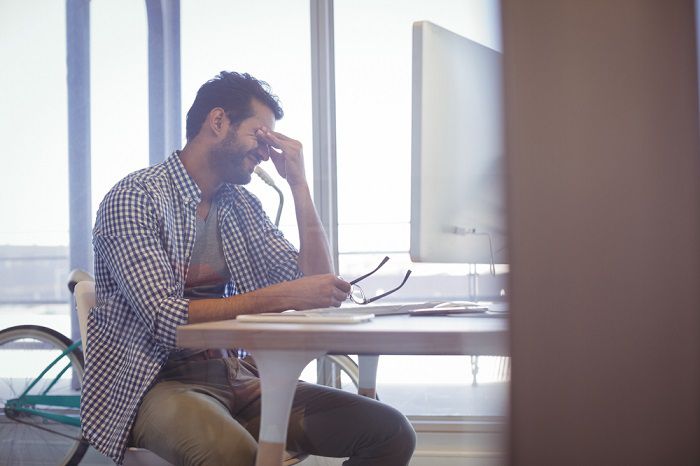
{"x": 26, "y": 403}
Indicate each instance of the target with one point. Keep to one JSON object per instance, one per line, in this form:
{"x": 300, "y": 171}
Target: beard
{"x": 231, "y": 160}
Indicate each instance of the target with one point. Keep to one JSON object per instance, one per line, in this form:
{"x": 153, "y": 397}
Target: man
{"x": 183, "y": 242}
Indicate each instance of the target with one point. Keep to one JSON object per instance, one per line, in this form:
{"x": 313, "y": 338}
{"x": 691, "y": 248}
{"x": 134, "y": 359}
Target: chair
{"x": 84, "y": 291}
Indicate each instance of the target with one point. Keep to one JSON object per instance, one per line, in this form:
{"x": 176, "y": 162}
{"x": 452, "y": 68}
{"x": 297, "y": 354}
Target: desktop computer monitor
{"x": 457, "y": 185}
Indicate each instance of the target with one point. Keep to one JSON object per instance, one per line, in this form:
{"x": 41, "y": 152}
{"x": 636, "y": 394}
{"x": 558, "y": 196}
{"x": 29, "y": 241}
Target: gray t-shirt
{"x": 208, "y": 274}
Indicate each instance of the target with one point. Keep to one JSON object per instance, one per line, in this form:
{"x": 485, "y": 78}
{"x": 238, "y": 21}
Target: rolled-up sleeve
{"x": 280, "y": 254}
{"x": 128, "y": 246}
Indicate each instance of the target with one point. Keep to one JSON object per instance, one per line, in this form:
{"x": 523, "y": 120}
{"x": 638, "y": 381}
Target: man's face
{"x": 236, "y": 156}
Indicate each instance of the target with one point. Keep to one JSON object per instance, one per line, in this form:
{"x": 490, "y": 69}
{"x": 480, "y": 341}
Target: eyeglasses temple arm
{"x": 386, "y": 258}
{"x": 408, "y": 274}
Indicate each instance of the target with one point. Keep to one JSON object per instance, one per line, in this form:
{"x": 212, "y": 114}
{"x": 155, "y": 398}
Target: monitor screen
{"x": 457, "y": 185}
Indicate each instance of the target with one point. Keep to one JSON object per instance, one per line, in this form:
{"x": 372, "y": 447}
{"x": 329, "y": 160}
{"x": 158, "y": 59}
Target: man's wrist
{"x": 299, "y": 186}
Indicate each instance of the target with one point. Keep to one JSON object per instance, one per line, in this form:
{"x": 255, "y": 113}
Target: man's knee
{"x": 399, "y": 438}
{"x": 404, "y": 437}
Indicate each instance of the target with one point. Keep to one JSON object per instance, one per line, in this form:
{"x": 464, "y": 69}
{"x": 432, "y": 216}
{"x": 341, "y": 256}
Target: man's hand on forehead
{"x": 286, "y": 154}
{"x": 265, "y": 135}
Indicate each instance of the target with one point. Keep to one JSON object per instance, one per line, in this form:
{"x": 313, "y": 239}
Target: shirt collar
{"x": 188, "y": 189}
{"x": 186, "y": 186}
{"x": 227, "y": 192}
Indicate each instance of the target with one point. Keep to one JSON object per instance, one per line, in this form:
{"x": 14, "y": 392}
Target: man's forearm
{"x": 314, "y": 252}
{"x": 305, "y": 293}
{"x": 270, "y": 299}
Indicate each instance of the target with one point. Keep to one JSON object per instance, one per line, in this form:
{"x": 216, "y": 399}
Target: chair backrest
{"x": 84, "y": 293}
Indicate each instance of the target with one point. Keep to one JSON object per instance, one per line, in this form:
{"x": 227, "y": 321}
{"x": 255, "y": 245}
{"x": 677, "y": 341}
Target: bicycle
{"x": 40, "y": 420}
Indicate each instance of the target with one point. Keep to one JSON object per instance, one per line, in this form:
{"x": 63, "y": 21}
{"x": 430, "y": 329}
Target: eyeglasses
{"x": 358, "y": 296}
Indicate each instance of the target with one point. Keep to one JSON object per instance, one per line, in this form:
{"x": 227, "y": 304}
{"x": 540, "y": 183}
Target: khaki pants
{"x": 207, "y": 412}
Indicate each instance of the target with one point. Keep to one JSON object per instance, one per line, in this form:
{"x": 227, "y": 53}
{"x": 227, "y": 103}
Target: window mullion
{"x": 323, "y": 115}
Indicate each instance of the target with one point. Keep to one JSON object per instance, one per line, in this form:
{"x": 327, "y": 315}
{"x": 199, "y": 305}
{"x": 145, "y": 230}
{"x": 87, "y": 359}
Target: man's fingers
{"x": 340, "y": 296}
{"x": 265, "y": 136}
{"x": 269, "y": 137}
{"x": 342, "y": 285}
{"x": 279, "y": 162}
{"x": 277, "y": 135}
{"x": 277, "y": 157}
{"x": 277, "y": 140}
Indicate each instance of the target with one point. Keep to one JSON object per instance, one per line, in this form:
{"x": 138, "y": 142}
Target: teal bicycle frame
{"x": 26, "y": 403}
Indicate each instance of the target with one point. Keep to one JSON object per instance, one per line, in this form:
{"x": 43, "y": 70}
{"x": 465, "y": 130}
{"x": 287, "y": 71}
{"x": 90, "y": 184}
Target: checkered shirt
{"x": 143, "y": 240}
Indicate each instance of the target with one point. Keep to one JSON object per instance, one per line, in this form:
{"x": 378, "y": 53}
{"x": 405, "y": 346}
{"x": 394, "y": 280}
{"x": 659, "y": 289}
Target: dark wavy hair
{"x": 233, "y": 92}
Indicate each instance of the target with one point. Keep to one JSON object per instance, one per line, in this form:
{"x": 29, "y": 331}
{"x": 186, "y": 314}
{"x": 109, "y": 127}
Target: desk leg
{"x": 279, "y": 372}
{"x": 368, "y": 375}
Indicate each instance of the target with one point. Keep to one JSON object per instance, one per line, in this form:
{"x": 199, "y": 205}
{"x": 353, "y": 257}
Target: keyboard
{"x": 409, "y": 308}
{"x": 357, "y": 314}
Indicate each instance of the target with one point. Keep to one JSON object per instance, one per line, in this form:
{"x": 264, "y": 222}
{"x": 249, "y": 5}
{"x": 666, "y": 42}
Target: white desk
{"x": 282, "y": 350}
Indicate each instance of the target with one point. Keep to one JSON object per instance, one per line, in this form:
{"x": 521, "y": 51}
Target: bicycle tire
{"x": 28, "y": 350}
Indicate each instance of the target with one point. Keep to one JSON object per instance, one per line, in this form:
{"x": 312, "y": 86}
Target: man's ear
{"x": 217, "y": 121}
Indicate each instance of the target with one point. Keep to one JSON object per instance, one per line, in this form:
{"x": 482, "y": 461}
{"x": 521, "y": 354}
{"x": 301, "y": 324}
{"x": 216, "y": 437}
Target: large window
{"x": 34, "y": 178}
{"x": 373, "y": 41}
{"x": 119, "y": 92}
{"x": 271, "y": 41}
{"x": 34, "y": 125}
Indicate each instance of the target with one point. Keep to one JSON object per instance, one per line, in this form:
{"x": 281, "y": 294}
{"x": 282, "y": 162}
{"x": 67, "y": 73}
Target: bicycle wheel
{"x": 27, "y": 438}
